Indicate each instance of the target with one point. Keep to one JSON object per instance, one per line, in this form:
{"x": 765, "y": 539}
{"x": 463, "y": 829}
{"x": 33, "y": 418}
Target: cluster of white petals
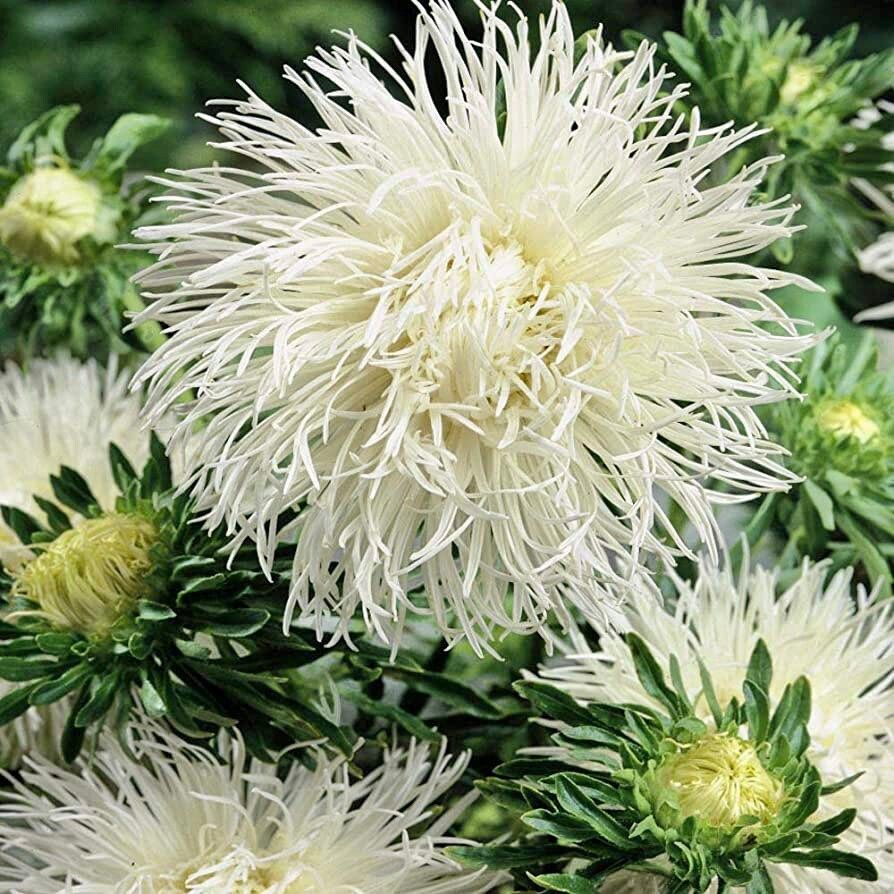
{"x": 179, "y": 820}
{"x": 477, "y": 344}
{"x": 878, "y": 257}
{"x": 845, "y": 648}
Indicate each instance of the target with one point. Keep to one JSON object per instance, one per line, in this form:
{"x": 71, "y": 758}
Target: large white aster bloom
{"x": 59, "y": 412}
{"x": 844, "y": 647}
{"x": 180, "y": 821}
{"x": 474, "y": 342}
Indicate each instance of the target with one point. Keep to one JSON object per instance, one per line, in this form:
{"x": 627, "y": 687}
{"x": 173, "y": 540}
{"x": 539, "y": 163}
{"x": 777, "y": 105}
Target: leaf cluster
{"x": 807, "y": 97}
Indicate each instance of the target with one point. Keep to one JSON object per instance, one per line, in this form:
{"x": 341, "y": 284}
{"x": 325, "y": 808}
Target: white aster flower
{"x": 180, "y": 821}
{"x": 844, "y": 648}
{"x": 473, "y": 345}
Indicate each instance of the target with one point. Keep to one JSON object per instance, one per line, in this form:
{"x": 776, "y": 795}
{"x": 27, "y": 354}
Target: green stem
{"x": 149, "y": 333}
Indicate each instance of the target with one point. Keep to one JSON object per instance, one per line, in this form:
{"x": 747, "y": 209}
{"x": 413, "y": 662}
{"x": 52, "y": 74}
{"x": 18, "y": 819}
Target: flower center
{"x": 89, "y": 576}
{"x": 720, "y": 779}
{"x": 846, "y": 419}
{"x": 487, "y": 340}
{"x": 46, "y": 213}
{"x": 798, "y": 80}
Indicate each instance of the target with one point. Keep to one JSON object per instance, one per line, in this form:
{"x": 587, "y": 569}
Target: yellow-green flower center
{"x": 48, "y": 212}
{"x": 844, "y": 418}
{"x": 91, "y": 575}
{"x": 799, "y": 78}
{"x": 720, "y": 779}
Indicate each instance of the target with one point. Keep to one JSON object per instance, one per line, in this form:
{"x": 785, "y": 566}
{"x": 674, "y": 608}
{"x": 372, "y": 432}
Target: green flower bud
{"x": 49, "y": 211}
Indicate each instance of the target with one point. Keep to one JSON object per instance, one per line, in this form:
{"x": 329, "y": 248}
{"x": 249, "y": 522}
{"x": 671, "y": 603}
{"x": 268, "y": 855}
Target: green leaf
{"x": 793, "y": 709}
{"x": 841, "y": 784}
{"x": 651, "y": 676}
{"x": 151, "y": 698}
{"x": 154, "y": 611}
{"x": 566, "y": 883}
{"x": 760, "y": 666}
{"x": 757, "y": 711}
{"x": 710, "y": 694}
{"x": 55, "y": 643}
{"x": 837, "y": 824}
{"x": 99, "y": 698}
{"x": 240, "y": 623}
{"x": 840, "y": 862}
{"x": 822, "y": 502}
{"x": 553, "y": 703}
{"x": 53, "y": 690}
{"x": 15, "y": 703}
{"x": 72, "y": 739}
{"x": 44, "y": 137}
{"x": 122, "y": 471}
{"x": 124, "y": 137}
{"x": 72, "y": 490}
{"x": 56, "y": 518}
{"x": 582, "y": 807}
{"x": 760, "y": 882}
{"x": 162, "y": 464}
{"x": 23, "y": 525}
{"x": 375, "y": 708}
{"x": 18, "y": 670}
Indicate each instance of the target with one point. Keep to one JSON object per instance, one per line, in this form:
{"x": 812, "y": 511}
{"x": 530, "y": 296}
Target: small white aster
{"x": 180, "y": 822}
{"x": 845, "y": 648}
{"x": 476, "y": 347}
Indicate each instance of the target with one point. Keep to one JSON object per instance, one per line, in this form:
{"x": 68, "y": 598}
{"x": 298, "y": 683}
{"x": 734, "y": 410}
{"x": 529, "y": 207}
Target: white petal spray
{"x": 473, "y": 345}
{"x": 182, "y": 822}
{"x": 846, "y": 651}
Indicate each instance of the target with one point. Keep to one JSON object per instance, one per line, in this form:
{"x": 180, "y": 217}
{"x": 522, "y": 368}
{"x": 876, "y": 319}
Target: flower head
{"x": 647, "y": 784}
{"x": 92, "y": 574}
{"x": 48, "y": 212}
{"x": 65, "y": 284}
{"x": 62, "y": 413}
{"x": 718, "y": 779}
{"x": 181, "y": 821}
{"x": 812, "y": 629}
{"x": 470, "y": 346}
{"x": 841, "y": 441}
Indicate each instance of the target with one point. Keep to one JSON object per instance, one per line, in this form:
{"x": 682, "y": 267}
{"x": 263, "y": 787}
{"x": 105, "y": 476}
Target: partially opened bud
{"x": 91, "y": 575}
{"x": 49, "y": 211}
{"x": 718, "y": 780}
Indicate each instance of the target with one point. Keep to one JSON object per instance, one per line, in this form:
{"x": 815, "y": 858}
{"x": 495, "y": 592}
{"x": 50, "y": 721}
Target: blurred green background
{"x": 169, "y": 56}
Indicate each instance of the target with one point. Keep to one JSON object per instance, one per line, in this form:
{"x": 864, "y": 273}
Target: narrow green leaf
{"x": 840, "y": 862}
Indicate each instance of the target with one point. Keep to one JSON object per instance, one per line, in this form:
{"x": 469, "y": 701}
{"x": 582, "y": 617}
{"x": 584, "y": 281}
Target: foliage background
{"x": 169, "y": 56}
